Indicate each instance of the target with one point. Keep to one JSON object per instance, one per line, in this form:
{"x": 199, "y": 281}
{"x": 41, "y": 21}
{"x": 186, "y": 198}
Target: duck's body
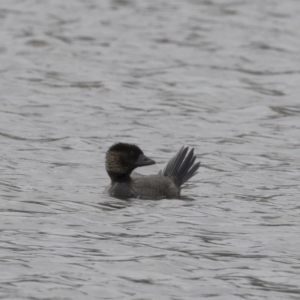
{"x": 122, "y": 159}
{"x": 144, "y": 187}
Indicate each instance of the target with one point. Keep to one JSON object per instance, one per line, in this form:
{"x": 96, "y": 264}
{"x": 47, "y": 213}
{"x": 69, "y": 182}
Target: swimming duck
{"x": 122, "y": 159}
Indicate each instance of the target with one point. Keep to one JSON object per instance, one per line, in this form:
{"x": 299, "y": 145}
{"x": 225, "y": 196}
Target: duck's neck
{"x": 119, "y": 177}
{"x": 121, "y": 186}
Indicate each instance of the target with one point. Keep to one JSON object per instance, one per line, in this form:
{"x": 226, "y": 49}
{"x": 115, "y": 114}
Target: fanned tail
{"x": 182, "y": 166}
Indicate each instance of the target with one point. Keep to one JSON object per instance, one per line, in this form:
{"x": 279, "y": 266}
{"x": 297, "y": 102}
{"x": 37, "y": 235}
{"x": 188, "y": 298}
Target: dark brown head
{"x": 122, "y": 159}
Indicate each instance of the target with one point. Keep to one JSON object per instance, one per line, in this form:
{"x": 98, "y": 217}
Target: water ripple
{"x": 219, "y": 76}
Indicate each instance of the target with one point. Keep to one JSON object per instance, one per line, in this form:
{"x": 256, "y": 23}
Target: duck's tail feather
{"x": 182, "y": 166}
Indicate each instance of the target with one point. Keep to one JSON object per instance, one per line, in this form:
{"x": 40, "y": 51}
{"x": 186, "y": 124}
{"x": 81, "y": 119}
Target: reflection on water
{"x": 219, "y": 76}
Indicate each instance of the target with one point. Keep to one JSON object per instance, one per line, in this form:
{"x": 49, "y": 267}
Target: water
{"x": 221, "y": 76}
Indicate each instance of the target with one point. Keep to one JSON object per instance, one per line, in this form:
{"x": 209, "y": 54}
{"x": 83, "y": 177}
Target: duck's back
{"x": 154, "y": 186}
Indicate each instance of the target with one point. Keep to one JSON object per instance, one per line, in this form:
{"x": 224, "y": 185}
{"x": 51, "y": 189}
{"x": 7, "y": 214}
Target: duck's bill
{"x": 143, "y": 160}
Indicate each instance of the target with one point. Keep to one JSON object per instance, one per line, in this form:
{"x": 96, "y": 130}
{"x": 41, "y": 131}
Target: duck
{"x": 122, "y": 159}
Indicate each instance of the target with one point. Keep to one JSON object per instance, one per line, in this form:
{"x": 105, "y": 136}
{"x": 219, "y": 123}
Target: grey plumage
{"x": 181, "y": 166}
{"x": 166, "y": 184}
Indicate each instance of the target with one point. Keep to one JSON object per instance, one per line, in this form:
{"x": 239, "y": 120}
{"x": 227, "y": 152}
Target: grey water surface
{"x": 222, "y": 76}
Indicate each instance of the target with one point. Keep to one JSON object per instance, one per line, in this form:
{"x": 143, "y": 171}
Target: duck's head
{"x": 122, "y": 159}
